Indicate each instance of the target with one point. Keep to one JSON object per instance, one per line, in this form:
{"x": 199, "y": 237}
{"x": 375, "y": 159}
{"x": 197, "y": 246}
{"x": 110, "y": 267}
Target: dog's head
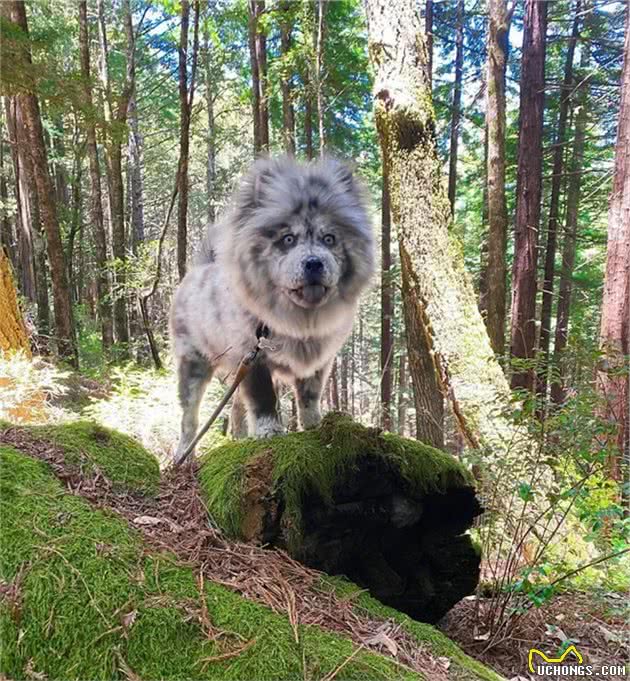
{"x": 301, "y": 241}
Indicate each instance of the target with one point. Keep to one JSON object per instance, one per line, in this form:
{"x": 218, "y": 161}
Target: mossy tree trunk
{"x": 470, "y": 376}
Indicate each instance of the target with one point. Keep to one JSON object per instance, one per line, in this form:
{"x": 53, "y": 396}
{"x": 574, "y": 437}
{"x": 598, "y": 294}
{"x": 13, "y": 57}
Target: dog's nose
{"x": 313, "y": 270}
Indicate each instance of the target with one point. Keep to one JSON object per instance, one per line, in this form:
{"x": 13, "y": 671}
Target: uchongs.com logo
{"x": 570, "y": 663}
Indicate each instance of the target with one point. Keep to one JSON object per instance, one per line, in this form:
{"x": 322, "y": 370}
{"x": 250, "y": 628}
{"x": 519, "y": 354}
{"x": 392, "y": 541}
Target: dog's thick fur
{"x": 293, "y": 252}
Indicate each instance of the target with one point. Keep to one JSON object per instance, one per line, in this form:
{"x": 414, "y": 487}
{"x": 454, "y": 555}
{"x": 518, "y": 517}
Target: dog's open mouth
{"x": 310, "y": 295}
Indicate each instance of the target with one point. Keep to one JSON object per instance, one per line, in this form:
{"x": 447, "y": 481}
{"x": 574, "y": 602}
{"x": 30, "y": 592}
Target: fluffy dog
{"x": 294, "y": 252}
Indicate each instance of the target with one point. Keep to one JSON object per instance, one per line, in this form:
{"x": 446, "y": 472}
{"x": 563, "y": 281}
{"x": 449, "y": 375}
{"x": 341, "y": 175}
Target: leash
{"x": 248, "y": 360}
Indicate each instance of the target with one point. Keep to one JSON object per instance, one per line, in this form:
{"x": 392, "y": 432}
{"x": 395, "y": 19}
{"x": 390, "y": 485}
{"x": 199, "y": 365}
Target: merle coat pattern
{"x": 294, "y": 252}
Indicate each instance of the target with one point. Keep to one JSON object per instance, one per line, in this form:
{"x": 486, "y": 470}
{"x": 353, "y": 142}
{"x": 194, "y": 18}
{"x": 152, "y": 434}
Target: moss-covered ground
{"x": 82, "y": 596}
{"x": 316, "y": 460}
{"x": 82, "y": 600}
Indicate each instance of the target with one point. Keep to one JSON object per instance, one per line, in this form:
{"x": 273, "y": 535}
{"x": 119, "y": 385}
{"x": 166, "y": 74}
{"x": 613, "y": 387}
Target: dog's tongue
{"x": 313, "y": 293}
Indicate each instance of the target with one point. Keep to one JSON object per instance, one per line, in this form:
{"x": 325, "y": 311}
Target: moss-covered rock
{"x": 388, "y": 512}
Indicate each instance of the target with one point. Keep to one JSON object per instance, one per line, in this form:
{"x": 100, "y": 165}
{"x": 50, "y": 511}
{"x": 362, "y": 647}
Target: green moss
{"x": 462, "y": 667}
{"x": 90, "y": 603}
{"x": 317, "y": 460}
{"x": 89, "y": 445}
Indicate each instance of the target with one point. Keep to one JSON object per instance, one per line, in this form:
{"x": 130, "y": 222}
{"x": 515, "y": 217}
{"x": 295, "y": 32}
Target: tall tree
{"x": 613, "y": 376}
{"x": 493, "y": 280}
{"x": 456, "y": 106}
{"x": 387, "y": 339}
{"x": 437, "y": 291}
{"x": 428, "y": 30}
{"x": 554, "y": 204}
{"x": 288, "y": 114}
{"x": 528, "y": 191}
{"x": 29, "y": 106}
{"x": 319, "y": 71}
{"x": 103, "y": 288}
{"x": 186, "y": 95}
{"x": 569, "y": 247}
{"x": 116, "y": 116}
{"x": 211, "y": 152}
{"x": 258, "y": 61}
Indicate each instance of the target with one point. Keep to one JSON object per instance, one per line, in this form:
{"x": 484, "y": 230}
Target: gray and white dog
{"x": 293, "y": 252}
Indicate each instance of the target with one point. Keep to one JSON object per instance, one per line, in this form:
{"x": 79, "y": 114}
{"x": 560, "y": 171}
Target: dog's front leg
{"x": 259, "y": 397}
{"x": 308, "y": 392}
{"x": 194, "y": 373}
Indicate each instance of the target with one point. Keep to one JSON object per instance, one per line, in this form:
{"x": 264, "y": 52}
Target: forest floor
{"x": 596, "y": 622}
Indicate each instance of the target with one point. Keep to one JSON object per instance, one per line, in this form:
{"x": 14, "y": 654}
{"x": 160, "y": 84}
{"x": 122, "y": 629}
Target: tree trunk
{"x": 29, "y": 106}
{"x": 528, "y": 191}
{"x": 437, "y": 281}
{"x": 25, "y": 264}
{"x": 428, "y": 30}
{"x": 13, "y": 335}
{"x": 387, "y": 340}
{"x": 570, "y": 236}
{"x": 118, "y": 119}
{"x": 457, "y": 105}
{"x": 75, "y": 221}
{"x": 493, "y": 280}
{"x": 423, "y": 366}
{"x": 554, "y": 207}
{"x": 258, "y": 61}
{"x": 319, "y": 63}
{"x": 211, "y": 172}
{"x": 387, "y": 513}
{"x": 613, "y": 375}
{"x": 135, "y": 170}
{"x": 103, "y": 287}
{"x": 184, "y": 140}
{"x": 343, "y": 402}
{"x": 402, "y": 393}
{"x": 288, "y": 115}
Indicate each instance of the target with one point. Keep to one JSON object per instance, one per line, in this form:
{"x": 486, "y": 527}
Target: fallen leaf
{"x": 482, "y": 637}
{"x": 129, "y": 619}
{"x": 445, "y": 662}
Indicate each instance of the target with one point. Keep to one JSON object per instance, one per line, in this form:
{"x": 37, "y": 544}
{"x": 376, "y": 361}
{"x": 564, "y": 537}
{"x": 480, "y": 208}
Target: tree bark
{"x": 258, "y": 61}
{"x": 288, "y": 114}
{"x": 118, "y": 119}
{"x": 613, "y": 375}
{"x": 319, "y": 64}
{"x": 456, "y": 105}
{"x": 473, "y": 379}
{"x": 211, "y": 155}
{"x": 13, "y": 335}
{"x": 554, "y": 207}
{"x": 570, "y": 236}
{"x": 401, "y": 416}
{"x": 186, "y": 95}
{"x": 528, "y": 191}
{"x": 428, "y": 30}
{"x": 493, "y": 280}
{"x": 29, "y": 106}
{"x": 387, "y": 340}
{"x": 136, "y": 174}
{"x": 103, "y": 284}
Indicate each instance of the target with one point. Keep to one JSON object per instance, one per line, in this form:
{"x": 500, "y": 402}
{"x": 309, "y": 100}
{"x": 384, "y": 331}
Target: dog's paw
{"x": 178, "y": 454}
{"x": 268, "y": 426}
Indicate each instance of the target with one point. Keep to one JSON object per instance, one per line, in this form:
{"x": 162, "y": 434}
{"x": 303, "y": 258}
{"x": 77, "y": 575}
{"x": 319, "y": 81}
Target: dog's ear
{"x": 340, "y": 174}
{"x": 256, "y": 184}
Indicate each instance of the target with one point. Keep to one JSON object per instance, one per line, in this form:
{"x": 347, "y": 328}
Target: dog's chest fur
{"x": 292, "y": 357}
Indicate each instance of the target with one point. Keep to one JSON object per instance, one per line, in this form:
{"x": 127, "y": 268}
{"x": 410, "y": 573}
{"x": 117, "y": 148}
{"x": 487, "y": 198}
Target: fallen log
{"x": 388, "y": 513}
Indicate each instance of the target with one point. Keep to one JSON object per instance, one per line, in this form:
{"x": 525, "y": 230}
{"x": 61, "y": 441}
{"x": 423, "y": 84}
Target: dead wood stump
{"x": 388, "y": 513}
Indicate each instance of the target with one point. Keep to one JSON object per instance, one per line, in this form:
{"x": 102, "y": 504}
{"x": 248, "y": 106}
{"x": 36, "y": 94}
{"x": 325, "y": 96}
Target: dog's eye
{"x": 288, "y": 239}
{"x": 329, "y": 239}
